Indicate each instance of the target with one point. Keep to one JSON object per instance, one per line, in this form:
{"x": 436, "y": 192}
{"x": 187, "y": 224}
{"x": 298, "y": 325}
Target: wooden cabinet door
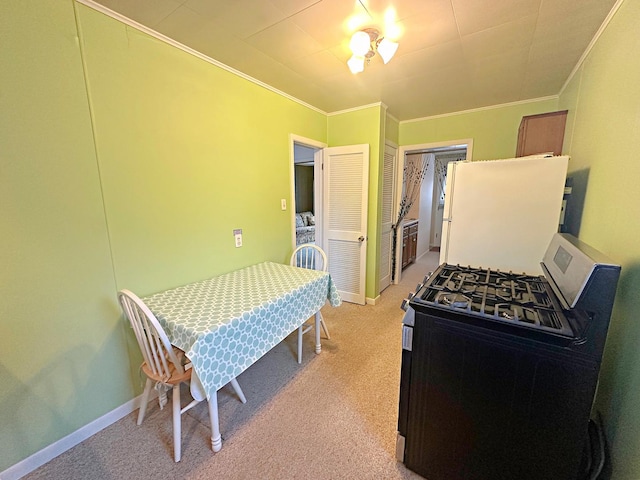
{"x": 405, "y": 247}
{"x": 541, "y": 133}
{"x": 413, "y": 242}
{"x": 409, "y": 244}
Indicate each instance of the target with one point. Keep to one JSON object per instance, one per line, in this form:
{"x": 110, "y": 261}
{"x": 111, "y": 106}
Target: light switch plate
{"x": 238, "y": 237}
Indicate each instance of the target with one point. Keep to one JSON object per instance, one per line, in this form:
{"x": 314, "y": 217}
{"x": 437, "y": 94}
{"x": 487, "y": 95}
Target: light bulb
{"x": 356, "y": 64}
{"x": 387, "y": 49}
{"x": 360, "y": 43}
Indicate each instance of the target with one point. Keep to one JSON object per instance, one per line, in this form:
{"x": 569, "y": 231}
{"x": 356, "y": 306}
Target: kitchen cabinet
{"x": 409, "y": 243}
{"x": 541, "y": 133}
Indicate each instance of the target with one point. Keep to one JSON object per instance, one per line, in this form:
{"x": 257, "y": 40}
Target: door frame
{"x": 318, "y": 185}
{"x": 394, "y": 146}
{"x": 402, "y": 155}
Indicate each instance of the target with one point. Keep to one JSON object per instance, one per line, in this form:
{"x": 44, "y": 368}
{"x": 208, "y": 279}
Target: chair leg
{"x": 300, "y": 343}
{"x": 324, "y": 327}
{"x": 144, "y": 401}
{"x": 239, "y": 392}
{"x": 318, "y": 320}
{"x": 177, "y": 427}
{"x": 216, "y": 439}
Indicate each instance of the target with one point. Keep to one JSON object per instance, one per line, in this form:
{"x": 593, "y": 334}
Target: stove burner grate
{"x": 507, "y": 297}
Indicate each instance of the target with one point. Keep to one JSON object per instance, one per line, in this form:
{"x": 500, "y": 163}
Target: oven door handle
{"x": 407, "y": 338}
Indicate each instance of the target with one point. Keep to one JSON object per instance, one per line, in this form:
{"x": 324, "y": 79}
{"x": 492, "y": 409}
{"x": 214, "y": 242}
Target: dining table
{"x": 226, "y": 323}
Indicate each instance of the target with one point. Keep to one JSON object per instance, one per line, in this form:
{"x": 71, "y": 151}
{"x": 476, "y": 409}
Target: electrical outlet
{"x": 283, "y": 204}
{"x": 238, "y": 237}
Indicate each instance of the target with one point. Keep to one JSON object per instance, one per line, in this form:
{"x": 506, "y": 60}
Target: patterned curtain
{"x": 440, "y": 178}
{"x": 415, "y": 169}
{"x": 441, "y": 163}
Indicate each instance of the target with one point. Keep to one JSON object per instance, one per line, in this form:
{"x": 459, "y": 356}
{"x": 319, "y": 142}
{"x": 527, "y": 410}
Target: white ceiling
{"x": 454, "y": 55}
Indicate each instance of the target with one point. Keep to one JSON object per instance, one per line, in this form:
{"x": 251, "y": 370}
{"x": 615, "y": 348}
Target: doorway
{"x": 426, "y": 212}
{"x": 307, "y": 189}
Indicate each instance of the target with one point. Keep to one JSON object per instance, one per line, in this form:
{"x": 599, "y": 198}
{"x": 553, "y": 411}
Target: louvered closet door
{"x": 386, "y": 234}
{"x": 346, "y": 175}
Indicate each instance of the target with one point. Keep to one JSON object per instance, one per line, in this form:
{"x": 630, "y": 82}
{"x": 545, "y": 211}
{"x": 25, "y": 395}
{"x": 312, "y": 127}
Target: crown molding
{"x": 163, "y": 38}
{"x": 481, "y": 109}
{"x": 129, "y": 22}
{"x": 392, "y": 117}
{"x": 594, "y": 40}
{"x": 355, "y": 109}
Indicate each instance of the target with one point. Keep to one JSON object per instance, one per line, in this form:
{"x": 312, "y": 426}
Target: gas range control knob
{"x": 405, "y": 302}
{"x": 404, "y": 305}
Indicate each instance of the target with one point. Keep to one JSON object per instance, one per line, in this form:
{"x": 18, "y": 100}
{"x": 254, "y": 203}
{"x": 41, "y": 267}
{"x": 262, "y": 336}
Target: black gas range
{"x": 499, "y": 369}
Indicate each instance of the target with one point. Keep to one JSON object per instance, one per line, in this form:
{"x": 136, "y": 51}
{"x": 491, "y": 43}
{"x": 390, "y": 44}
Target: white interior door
{"x": 386, "y": 233}
{"x": 346, "y": 188}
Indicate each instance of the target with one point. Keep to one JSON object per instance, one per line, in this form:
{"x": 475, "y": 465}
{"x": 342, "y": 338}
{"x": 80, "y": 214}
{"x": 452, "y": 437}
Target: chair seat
{"x": 175, "y": 376}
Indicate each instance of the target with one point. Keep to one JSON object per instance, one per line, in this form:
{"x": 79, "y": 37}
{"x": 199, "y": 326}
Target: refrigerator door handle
{"x": 448, "y": 191}
{"x": 446, "y": 214}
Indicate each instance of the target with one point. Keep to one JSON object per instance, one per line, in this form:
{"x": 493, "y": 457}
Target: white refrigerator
{"x": 501, "y": 214}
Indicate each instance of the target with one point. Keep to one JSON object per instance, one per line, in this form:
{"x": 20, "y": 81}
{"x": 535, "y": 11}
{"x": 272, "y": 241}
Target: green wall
{"x": 188, "y": 152}
{"x": 125, "y": 163}
{"x": 494, "y": 130}
{"x": 63, "y": 359}
{"x": 392, "y": 129}
{"x": 372, "y": 126}
{"x": 603, "y": 139}
{"x": 365, "y": 126}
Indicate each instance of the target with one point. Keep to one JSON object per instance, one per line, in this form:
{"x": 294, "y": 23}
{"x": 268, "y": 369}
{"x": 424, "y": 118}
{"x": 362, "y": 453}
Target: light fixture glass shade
{"x": 356, "y": 64}
{"x": 387, "y": 49}
{"x": 360, "y": 43}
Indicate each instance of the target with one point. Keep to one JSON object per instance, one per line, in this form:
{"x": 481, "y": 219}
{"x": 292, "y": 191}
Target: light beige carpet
{"x": 332, "y": 417}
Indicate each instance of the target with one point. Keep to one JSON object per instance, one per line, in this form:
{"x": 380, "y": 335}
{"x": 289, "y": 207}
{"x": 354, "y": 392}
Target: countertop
{"x": 410, "y": 221}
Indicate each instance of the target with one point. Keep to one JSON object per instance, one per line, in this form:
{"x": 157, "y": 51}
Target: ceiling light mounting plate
{"x": 374, "y": 39}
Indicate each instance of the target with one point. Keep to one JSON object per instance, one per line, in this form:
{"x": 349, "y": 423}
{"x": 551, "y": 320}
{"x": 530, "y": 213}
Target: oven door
{"x": 483, "y": 404}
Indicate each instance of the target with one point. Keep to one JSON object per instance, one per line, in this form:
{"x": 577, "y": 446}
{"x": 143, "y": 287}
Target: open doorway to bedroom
{"x": 305, "y": 209}
{"x": 306, "y": 204}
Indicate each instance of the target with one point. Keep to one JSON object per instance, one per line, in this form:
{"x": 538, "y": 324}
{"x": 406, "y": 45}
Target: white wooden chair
{"x": 312, "y": 257}
{"x": 164, "y": 365}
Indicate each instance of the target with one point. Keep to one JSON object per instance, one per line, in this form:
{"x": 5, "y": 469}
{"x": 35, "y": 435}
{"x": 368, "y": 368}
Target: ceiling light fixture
{"x": 365, "y": 44}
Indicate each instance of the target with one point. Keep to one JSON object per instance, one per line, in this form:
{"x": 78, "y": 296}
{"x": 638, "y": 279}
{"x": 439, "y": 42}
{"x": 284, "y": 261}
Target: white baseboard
{"x": 372, "y": 301}
{"x": 50, "y": 452}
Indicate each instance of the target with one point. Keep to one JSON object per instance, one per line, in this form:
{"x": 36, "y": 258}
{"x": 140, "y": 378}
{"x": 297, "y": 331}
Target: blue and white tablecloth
{"x": 226, "y": 323}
